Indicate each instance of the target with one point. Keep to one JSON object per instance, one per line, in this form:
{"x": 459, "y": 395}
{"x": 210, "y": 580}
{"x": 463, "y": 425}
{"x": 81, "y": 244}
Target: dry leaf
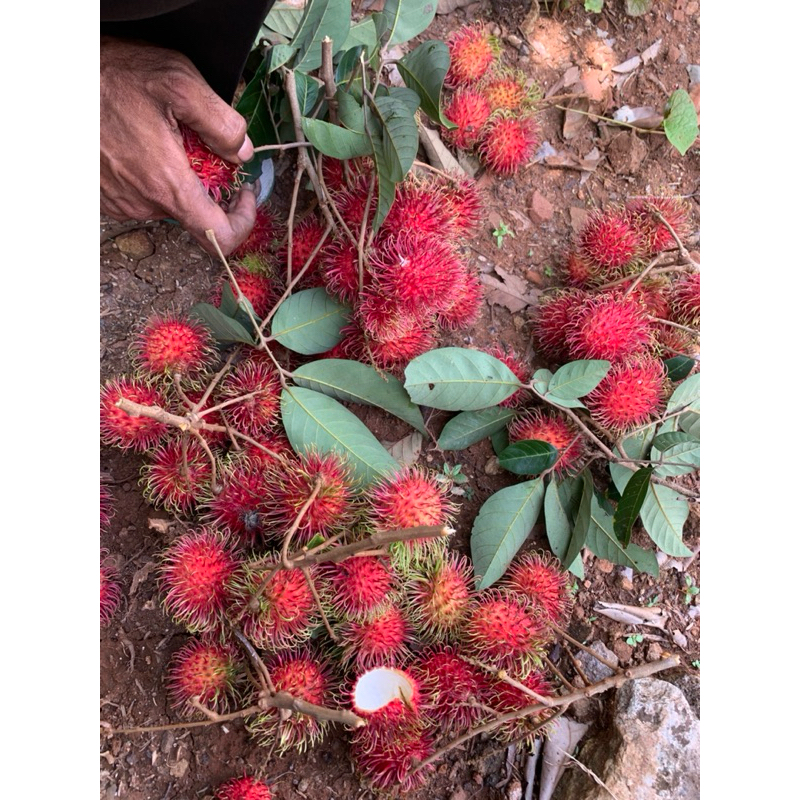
{"x": 575, "y": 117}
{"x": 680, "y": 639}
{"x": 641, "y": 116}
{"x": 563, "y": 738}
{"x": 632, "y": 615}
{"x": 627, "y": 66}
{"x": 407, "y": 451}
{"x": 140, "y": 576}
{"x": 651, "y": 52}
{"x": 569, "y": 78}
{"x": 438, "y": 154}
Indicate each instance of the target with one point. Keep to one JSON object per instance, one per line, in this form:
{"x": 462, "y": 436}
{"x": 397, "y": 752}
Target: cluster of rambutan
{"x": 492, "y": 105}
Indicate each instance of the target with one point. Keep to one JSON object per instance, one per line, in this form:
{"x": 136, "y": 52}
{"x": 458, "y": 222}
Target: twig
{"x": 586, "y": 649}
{"x": 557, "y": 672}
{"x": 363, "y": 233}
{"x": 672, "y": 324}
{"x": 681, "y": 247}
{"x": 590, "y": 774}
{"x": 252, "y": 653}
{"x": 329, "y": 80}
{"x": 287, "y": 539}
{"x": 288, "y": 146}
{"x": 611, "y": 121}
{"x": 298, "y": 176}
{"x": 214, "y": 381}
{"x": 667, "y": 268}
{"x": 310, "y": 581}
{"x": 245, "y": 712}
{"x": 502, "y": 675}
{"x": 213, "y": 485}
{"x": 640, "y": 277}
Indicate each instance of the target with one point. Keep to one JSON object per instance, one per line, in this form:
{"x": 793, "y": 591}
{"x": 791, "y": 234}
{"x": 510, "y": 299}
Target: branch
{"x": 329, "y": 80}
{"x": 681, "y": 247}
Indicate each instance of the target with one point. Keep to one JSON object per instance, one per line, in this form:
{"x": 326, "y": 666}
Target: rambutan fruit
{"x": 466, "y": 307}
{"x": 653, "y": 295}
{"x": 540, "y": 577}
{"x": 272, "y": 448}
{"x": 208, "y": 670}
{"x": 352, "y": 345}
{"x": 554, "y": 315}
{"x": 609, "y": 326}
{"x": 266, "y": 233}
{"x": 121, "y": 429}
{"x": 464, "y": 200}
{"x": 503, "y": 698}
{"x": 220, "y": 178}
{"x": 509, "y": 142}
{"x": 106, "y": 506}
{"x": 286, "y": 613}
{"x": 339, "y": 268}
{"x": 612, "y": 240}
{"x": 352, "y": 203}
{"x": 244, "y": 788}
{"x": 632, "y": 393}
{"x": 251, "y": 394}
{"x": 506, "y": 630}
{"x": 391, "y": 760}
{"x": 472, "y": 52}
{"x": 383, "y": 317}
{"x": 671, "y": 341}
{"x": 581, "y": 271}
{"x": 555, "y": 429}
{"x": 333, "y": 506}
{"x": 109, "y": 588}
{"x": 260, "y": 289}
{"x": 169, "y": 343}
{"x": 394, "y": 354}
{"x": 656, "y": 235}
{"x": 178, "y": 475}
{"x": 334, "y": 171}
{"x": 305, "y": 677}
{"x": 419, "y": 206}
{"x": 685, "y": 301}
{"x": 519, "y": 367}
{"x": 455, "y": 684}
{"x": 361, "y": 587}
{"x": 388, "y": 699}
{"x": 470, "y": 111}
{"x": 239, "y": 508}
{"x": 195, "y": 572}
{"x": 505, "y": 89}
{"x": 438, "y": 598}
{"x": 381, "y": 640}
{"x": 305, "y": 238}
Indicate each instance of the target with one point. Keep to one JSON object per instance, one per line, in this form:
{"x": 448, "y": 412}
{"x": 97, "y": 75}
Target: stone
{"x": 595, "y": 670}
{"x": 690, "y": 686}
{"x": 651, "y": 751}
{"x": 540, "y": 209}
{"x": 136, "y": 245}
{"x": 623, "y": 650}
{"x": 626, "y": 153}
{"x": 654, "y": 652}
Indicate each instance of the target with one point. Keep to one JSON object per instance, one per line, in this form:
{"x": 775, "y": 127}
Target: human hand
{"x": 145, "y": 92}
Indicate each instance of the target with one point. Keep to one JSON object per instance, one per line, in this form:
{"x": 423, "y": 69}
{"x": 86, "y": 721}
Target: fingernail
{"x": 246, "y": 150}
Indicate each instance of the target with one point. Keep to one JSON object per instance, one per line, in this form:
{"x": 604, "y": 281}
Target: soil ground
{"x": 157, "y": 267}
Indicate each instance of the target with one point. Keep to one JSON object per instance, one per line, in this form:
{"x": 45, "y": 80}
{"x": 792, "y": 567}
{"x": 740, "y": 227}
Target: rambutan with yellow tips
{"x": 127, "y": 431}
{"x": 177, "y": 475}
{"x": 540, "y": 578}
{"x": 472, "y": 52}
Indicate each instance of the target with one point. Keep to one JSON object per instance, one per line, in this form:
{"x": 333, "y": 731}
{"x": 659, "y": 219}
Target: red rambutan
{"x": 519, "y": 368}
{"x": 509, "y": 142}
{"x": 178, "y": 475}
{"x": 170, "y": 343}
{"x": 394, "y": 354}
{"x": 109, "y": 589}
{"x": 390, "y": 760}
{"x": 685, "y": 300}
{"x": 472, "y": 52}
{"x": 258, "y": 384}
{"x": 388, "y": 699}
{"x": 381, "y": 640}
{"x": 360, "y": 587}
{"x": 503, "y": 698}
{"x": 470, "y": 111}
{"x": 339, "y": 269}
{"x": 274, "y": 447}
{"x": 194, "y": 577}
{"x": 383, "y": 316}
{"x": 611, "y": 239}
{"x": 466, "y": 307}
{"x": 267, "y": 231}
{"x": 220, "y": 178}
{"x": 239, "y": 508}
{"x": 609, "y": 326}
{"x": 121, "y": 429}
{"x": 555, "y": 429}
{"x": 671, "y": 341}
{"x": 655, "y": 233}
{"x": 352, "y": 203}
{"x": 305, "y": 238}
{"x": 464, "y": 200}
{"x": 505, "y": 630}
{"x": 580, "y": 271}
{"x": 652, "y": 294}
{"x": 244, "y": 788}
{"x": 540, "y": 577}
{"x": 419, "y": 206}
{"x": 550, "y": 327}
{"x": 208, "y": 670}
{"x": 334, "y": 171}
{"x": 630, "y": 394}
{"x": 260, "y": 289}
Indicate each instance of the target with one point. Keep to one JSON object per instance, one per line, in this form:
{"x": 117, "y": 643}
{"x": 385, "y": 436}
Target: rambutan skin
{"x": 611, "y": 240}
{"x": 656, "y": 235}
{"x": 470, "y": 111}
{"x": 167, "y": 484}
{"x": 553, "y": 317}
{"x": 390, "y": 760}
{"x": 110, "y": 594}
{"x": 382, "y": 640}
{"x": 169, "y": 343}
{"x": 194, "y": 578}
{"x": 555, "y": 429}
{"x": 509, "y": 142}
{"x": 244, "y": 788}
{"x": 685, "y": 301}
{"x": 631, "y": 394}
{"x": 220, "y": 178}
{"x": 539, "y": 577}
{"x": 120, "y": 429}
{"x": 361, "y": 587}
{"x": 472, "y": 52}
{"x": 257, "y": 382}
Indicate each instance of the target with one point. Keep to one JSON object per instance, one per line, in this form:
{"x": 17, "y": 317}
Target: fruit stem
{"x": 681, "y": 247}
{"x": 502, "y": 675}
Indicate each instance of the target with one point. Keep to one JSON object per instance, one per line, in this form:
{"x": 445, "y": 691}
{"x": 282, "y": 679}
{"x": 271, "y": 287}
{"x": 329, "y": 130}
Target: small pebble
{"x": 514, "y": 40}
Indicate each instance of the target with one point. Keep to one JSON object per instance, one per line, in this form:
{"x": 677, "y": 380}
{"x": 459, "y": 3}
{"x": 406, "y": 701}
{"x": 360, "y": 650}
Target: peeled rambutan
{"x": 266, "y": 232}
{"x": 509, "y": 141}
{"x": 169, "y": 343}
{"x": 438, "y": 598}
{"x": 655, "y": 233}
{"x": 540, "y": 577}
{"x": 470, "y": 111}
{"x": 256, "y": 382}
{"x": 305, "y": 677}
{"x": 555, "y": 429}
{"x": 219, "y": 177}
{"x": 609, "y": 326}
{"x": 208, "y": 670}
{"x": 503, "y": 698}
{"x": 106, "y": 506}
{"x": 333, "y": 506}
{"x": 381, "y": 640}
{"x": 519, "y": 367}
{"x": 260, "y": 289}
{"x": 388, "y": 699}
{"x": 505, "y": 89}
{"x": 195, "y": 572}
{"x": 178, "y": 475}
{"x": 466, "y": 307}
{"x": 553, "y": 316}
{"x": 632, "y": 393}
{"x": 361, "y": 587}
{"x": 464, "y": 200}
{"x": 120, "y": 429}
{"x": 109, "y": 589}
{"x": 244, "y": 788}
{"x": 506, "y": 630}
{"x": 611, "y": 239}
{"x": 390, "y": 760}
{"x": 286, "y": 613}
{"x": 472, "y": 52}
{"x": 685, "y": 300}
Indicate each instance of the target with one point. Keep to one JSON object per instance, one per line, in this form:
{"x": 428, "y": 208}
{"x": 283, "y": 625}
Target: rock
{"x": 514, "y": 40}
{"x": 626, "y": 153}
{"x": 654, "y": 652}
{"x": 577, "y": 217}
{"x": 594, "y": 669}
{"x": 690, "y": 686}
{"x": 540, "y": 209}
{"x": 623, "y": 650}
{"x": 650, "y": 752}
{"x": 135, "y": 245}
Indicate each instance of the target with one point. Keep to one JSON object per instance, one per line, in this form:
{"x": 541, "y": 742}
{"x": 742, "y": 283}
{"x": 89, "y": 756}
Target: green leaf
{"x": 336, "y": 142}
{"x": 602, "y": 541}
{"x": 499, "y": 440}
{"x": 528, "y": 457}
{"x": 576, "y": 379}
{"x": 284, "y": 19}
{"x": 402, "y": 20}
{"x": 351, "y": 112}
{"x": 582, "y": 518}
{"x": 309, "y": 322}
{"x": 360, "y": 383}
{"x": 321, "y": 18}
{"x": 687, "y": 394}
{"x": 680, "y": 121}
{"x": 228, "y": 304}
{"x": 399, "y": 135}
{"x": 666, "y": 440}
{"x": 469, "y": 427}
{"x": 457, "y": 379}
{"x": 348, "y": 62}
{"x": 679, "y": 451}
{"x": 635, "y": 8}
{"x": 541, "y": 380}
{"x": 308, "y": 91}
{"x": 679, "y": 367}
{"x": 406, "y": 96}
{"x": 362, "y": 33}
{"x": 313, "y": 420}
{"x": 593, "y": 6}
{"x": 423, "y": 70}
{"x": 690, "y": 423}
{"x": 253, "y": 105}
{"x": 278, "y": 55}
{"x": 502, "y": 525}
{"x": 630, "y": 504}
{"x": 560, "y": 505}
{"x": 386, "y": 186}
{"x": 223, "y": 328}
